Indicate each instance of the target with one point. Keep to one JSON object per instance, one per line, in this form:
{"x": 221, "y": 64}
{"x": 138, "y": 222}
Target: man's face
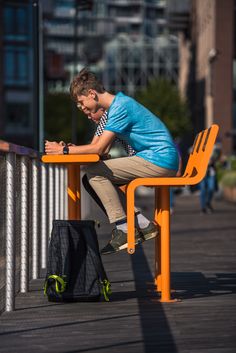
{"x": 88, "y": 104}
{"x": 95, "y": 117}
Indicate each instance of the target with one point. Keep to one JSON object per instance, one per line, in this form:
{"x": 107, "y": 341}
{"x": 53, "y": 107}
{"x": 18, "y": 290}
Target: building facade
{"x": 207, "y": 70}
{"x": 215, "y": 42}
{"x": 19, "y": 93}
{"x": 124, "y": 42}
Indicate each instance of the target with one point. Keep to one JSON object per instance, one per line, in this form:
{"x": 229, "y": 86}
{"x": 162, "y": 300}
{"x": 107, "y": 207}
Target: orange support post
{"x": 74, "y": 196}
{"x": 130, "y": 219}
{"x": 165, "y": 245}
{"x": 157, "y": 264}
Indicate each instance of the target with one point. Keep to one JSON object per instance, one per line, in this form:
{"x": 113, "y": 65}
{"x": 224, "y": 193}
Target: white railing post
{"x": 10, "y": 223}
{"x": 44, "y": 210}
{"x": 51, "y": 199}
{"x": 62, "y": 193}
{"x": 24, "y": 271}
{"x": 35, "y": 211}
{"x": 57, "y": 192}
{"x": 66, "y": 192}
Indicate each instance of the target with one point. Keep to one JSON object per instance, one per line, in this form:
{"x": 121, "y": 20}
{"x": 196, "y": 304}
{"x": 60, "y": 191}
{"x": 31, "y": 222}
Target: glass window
{"x": 22, "y": 64}
{"x": 16, "y": 65}
{"x": 21, "y": 20}
{"x": 16, "y": 23}
{"x": 9, "y": 65}
{"x": 8, "y": 20}
{"x": 100, "y": 8}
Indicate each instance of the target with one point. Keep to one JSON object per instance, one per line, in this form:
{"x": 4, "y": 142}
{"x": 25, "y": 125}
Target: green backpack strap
{"x": 60, "y": 284}
{"x": 106, "y": 289}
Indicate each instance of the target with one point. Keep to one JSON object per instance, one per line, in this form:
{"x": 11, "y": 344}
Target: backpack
{"x": 74, "y": 270}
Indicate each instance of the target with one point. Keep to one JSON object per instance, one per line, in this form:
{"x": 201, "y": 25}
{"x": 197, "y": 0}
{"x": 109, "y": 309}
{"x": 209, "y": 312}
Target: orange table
{"x": 73, "y": 162}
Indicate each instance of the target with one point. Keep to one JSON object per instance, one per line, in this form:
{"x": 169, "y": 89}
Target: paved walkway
{"x": 203, "y": 275}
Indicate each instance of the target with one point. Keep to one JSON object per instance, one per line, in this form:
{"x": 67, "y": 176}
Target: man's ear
{"x": 92, "y": 93}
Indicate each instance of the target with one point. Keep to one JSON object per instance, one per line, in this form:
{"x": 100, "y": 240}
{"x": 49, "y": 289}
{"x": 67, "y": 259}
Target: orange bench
{"x": 195, "y": 171}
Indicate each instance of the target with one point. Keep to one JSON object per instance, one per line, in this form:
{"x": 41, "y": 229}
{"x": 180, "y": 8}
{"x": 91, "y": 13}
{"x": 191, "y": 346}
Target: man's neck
{"x": 105, "y": 99}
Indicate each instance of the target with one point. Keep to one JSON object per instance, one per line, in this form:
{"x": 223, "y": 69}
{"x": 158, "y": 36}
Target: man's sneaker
{"x": 118, "y": 241}
{"x": 149, "y": 232}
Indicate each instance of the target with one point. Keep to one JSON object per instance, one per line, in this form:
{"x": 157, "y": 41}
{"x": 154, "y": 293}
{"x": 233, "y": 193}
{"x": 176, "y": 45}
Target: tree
{"x": 164, "y": 100}
{"x": 58, "y": 113}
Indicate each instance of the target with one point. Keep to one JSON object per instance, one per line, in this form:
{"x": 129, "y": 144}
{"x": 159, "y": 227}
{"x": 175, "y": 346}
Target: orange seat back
{"x": 201, "y": 152}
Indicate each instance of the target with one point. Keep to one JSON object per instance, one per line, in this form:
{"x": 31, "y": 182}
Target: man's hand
{"x": 62, "y": 143}
{"x": 53, "y": 147}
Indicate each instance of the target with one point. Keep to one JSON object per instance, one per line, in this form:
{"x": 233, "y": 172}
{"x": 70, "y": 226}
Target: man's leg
{"x": 92, "y": 193}
{"x": 140, "y": 220}
{"x": 210, "y": 191}
{"x": 203, "y": 194}
{"x": 105, "y": 176}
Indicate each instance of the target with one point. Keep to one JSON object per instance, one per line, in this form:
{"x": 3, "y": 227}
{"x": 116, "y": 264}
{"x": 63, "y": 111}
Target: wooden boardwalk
{"x": 203, "y": 275}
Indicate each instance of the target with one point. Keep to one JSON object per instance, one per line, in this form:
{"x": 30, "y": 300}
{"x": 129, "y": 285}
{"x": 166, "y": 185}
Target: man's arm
{"x": 98, "y": 146}
{"x": 105, "y": 155}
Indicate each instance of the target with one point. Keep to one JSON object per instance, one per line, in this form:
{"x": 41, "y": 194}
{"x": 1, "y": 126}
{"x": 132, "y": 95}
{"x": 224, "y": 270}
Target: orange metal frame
{"x": 194, "y": 173}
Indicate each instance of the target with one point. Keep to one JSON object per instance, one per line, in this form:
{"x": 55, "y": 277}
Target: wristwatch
{"x": 65, "y": 149}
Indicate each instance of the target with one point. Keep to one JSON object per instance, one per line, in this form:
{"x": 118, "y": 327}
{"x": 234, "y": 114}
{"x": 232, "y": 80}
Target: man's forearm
{"x": 98, "y": 147}
{"x": 91, "y": 148}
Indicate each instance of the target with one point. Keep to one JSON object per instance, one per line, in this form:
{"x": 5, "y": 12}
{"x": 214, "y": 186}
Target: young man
{"x": 156, "y": 153}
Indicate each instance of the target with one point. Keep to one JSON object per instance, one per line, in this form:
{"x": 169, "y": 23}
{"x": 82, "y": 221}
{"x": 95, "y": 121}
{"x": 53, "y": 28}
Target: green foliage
{"x": 58, "y": 120}
{"x": 164, "y": 100}
{"x": 232, "y": 162}
{"x": 228, "y": 164}
{"x": 229, "y": 179}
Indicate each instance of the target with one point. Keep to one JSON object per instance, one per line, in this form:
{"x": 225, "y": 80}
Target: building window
{"x": 16, "y": 23}
{"x": 16, "y": 65}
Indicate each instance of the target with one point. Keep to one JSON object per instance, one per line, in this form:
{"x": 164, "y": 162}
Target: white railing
{"x": 32, "y": 195}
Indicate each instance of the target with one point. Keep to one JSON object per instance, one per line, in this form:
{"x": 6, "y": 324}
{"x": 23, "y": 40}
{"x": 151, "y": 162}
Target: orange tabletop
{"x": 73, "y": 162}
{"x": 70, "y": 158}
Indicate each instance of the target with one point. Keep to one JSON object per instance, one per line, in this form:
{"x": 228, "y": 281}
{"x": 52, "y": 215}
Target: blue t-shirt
{"x": 144, "y": 131}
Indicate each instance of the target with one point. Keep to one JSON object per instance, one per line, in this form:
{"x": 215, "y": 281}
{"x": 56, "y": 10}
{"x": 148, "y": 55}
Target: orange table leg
{"x": 165, "y": 245}
{"x": 74, "y": 196}
{"x": 130, "y": 219}
{"x": 157, "y": 264}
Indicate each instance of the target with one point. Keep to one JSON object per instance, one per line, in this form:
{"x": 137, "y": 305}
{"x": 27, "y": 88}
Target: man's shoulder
{"x": 119, "y": 107}
{"x": 122, "y": 103}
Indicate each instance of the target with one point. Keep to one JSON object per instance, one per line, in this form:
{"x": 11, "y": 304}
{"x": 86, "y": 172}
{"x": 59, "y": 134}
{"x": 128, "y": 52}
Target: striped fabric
{"x": 100, "y": 128}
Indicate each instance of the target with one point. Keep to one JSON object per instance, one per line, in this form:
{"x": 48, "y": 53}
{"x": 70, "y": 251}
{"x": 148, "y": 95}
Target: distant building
{"x": 19, "y": 94}
{"x": 124, "y": 41}
{"x": 207, "y": 66}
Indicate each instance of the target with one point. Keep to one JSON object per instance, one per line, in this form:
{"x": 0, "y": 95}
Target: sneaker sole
{"x": 122, "y": 247}
{"x": 125, "y": 246}
{"x": 150, "y": 236}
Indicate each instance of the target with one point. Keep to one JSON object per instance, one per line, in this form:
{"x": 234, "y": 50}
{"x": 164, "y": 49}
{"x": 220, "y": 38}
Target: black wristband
{"x": 65, "y": 149}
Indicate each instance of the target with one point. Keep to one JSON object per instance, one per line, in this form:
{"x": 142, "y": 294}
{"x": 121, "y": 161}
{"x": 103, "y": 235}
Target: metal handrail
{"x": 43, "y": 187}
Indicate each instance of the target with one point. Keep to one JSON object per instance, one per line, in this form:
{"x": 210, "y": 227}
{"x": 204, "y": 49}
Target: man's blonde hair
{"x": 85, "y": 81}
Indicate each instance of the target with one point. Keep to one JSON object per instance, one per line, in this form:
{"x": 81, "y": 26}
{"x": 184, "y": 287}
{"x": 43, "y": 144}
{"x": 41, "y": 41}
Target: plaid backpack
{"x": 75, "y": 271}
